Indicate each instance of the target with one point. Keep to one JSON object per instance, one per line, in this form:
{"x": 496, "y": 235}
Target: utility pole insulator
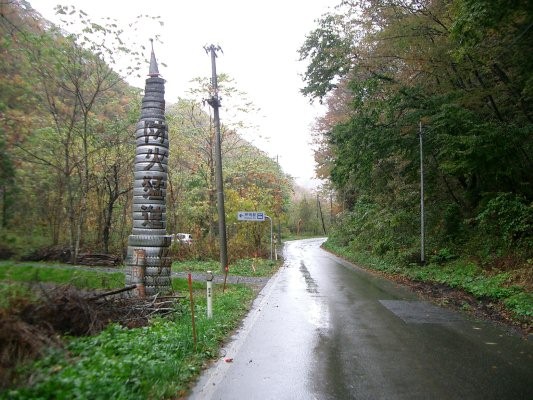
{"x": 213, "y": 102}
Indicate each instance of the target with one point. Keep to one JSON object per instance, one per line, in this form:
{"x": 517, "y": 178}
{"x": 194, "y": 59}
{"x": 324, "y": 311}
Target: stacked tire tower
{"x": 147, "y": 261}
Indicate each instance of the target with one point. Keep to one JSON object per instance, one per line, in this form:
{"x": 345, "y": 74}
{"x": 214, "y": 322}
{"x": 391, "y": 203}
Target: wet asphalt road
{"x": 323, "y": 329}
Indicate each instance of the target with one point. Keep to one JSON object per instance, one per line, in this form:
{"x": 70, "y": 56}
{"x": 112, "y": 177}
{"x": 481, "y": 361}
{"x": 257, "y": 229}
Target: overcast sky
{"x": 260, "y": 40}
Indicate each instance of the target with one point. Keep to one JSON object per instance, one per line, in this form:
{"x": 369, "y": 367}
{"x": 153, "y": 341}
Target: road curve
{"x": 324, "y": 329}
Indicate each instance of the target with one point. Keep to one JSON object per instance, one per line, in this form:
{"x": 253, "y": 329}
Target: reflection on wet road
{"x": 323, "y": 329}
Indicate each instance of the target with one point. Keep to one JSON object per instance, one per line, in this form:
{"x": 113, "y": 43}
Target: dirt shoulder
{"x": 459, "y": 300}
{"x": 485, "y": 309}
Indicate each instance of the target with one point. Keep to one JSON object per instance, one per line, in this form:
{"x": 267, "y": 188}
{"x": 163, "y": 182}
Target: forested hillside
{"x": 460, "y": 74}
{"x": 67, "y": 146}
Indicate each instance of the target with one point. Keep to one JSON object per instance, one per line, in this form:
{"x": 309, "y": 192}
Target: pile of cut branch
{"x": 29, "y": 327}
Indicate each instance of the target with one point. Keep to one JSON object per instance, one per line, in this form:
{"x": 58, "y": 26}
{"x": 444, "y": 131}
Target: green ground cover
{"x": 251, "y": 267}
{"x": 158, "y": 361}
{"x": 60, "y": 273}
{"x": 457, "y": 273}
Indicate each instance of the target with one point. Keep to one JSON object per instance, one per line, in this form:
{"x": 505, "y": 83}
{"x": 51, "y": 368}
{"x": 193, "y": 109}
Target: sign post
{"x": 266, "y": 216}
{"x": 256, "y": 216}
{"x": 209, "y": 278}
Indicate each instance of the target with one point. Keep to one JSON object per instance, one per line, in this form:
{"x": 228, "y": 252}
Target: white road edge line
{"x": 211, "y": 377}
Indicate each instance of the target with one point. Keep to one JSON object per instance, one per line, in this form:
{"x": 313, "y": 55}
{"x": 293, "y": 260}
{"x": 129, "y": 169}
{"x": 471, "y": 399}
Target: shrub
{"x": 508, "y": 219}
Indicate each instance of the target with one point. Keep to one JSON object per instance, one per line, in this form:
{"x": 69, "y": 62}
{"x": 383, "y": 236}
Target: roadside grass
{"x": 303, "y": 236}
{"x": 250, "y": 267}
{"x": 459, "y": 274}
{"x": 62, "y": 274}
{"x": 158, "y": 361}
{"x": 11, "y": 292}
{"x": 195, "y": 266}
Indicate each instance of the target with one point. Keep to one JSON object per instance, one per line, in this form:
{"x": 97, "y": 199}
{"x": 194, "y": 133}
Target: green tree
{"x": 461, "y": 68}
{"x": 66, "y": 86}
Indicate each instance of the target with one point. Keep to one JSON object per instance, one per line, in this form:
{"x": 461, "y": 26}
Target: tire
{"x": 149, "y": 241}
{"x": 150, "y": 150}
{"x": 154, "y": 88}
{"x": 158, "y": 252}
{"x": 158, "y": 136}
{"x": 153, "y": 106}
{"x": 138, "y": 208}
{"x": 152, "y": 140}
{"x": 155, "y": 79}
{"x": 150, "y": 201}
{"x": 150, "y": 181}
{"x": 160, "y": 105}
{"x": 152, "y": 112}
{"x": 158, "y": 281}
{"x": 153, "y": 290}
{"x": 153, "y": 97}
{"x": 158, "y": 271}
{"x": 145, "y": 160}
{"x": 152, "y": 262}
{"x": 156, "y": 159}
{"x": 146, "y": 166}
{"x": 140, "y": 216}
{"x": 151, "y": 175}
{"x": 154, "y": 91}
{"x": 153, "y": 183}
{"x": 152, "y": 127}
{"x": 139, "y": 191}
{"x": 151, "y": 224}
{"x": 145, "y": 231}
{"x": 151, "y": 123}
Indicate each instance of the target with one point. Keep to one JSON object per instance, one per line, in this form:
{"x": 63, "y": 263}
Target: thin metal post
{"x": 192, "y": 312}
{"x": 209, "y": 279}
{"x": 422, "y": 227}
{"x": 281, "y": 199}
{"x": 266, "y": 216}
{"x": 214, "y": 102}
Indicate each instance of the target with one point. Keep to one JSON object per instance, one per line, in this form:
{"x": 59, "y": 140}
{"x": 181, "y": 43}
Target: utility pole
{"x": 319, "y": 210}
{"x": 330, "y": 208}
{"x": 214, "y": 102}
{"x": 422, "y": 233}
{"x": 281, "y": 197}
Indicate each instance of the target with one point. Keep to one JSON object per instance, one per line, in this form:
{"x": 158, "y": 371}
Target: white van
{"x": 185, "y": 238}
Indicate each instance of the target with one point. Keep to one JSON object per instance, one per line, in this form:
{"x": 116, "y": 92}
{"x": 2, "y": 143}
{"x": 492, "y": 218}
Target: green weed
{"x": 254, "y": 267}
{"x": 79, "y": 278}
{"x": 153, "y": 362}
{"x": 12, "y": 292}
{"x": 458, "y": 274}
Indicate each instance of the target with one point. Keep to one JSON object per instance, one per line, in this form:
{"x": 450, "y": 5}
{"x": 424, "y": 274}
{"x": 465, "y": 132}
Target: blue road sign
{"x": 258, "y": 216}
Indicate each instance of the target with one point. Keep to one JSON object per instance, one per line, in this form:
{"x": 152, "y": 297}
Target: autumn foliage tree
{"x": 252, "y": 181}
{"x": 66, "y": 125}
{"x": 67, "y": 119}
{"x": 461, "y": 69}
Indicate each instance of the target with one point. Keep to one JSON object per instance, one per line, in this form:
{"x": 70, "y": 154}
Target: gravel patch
{"x": 258, "y": 282}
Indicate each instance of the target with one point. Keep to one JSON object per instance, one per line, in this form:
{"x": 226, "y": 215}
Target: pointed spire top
{"x": 154, "y": 71}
